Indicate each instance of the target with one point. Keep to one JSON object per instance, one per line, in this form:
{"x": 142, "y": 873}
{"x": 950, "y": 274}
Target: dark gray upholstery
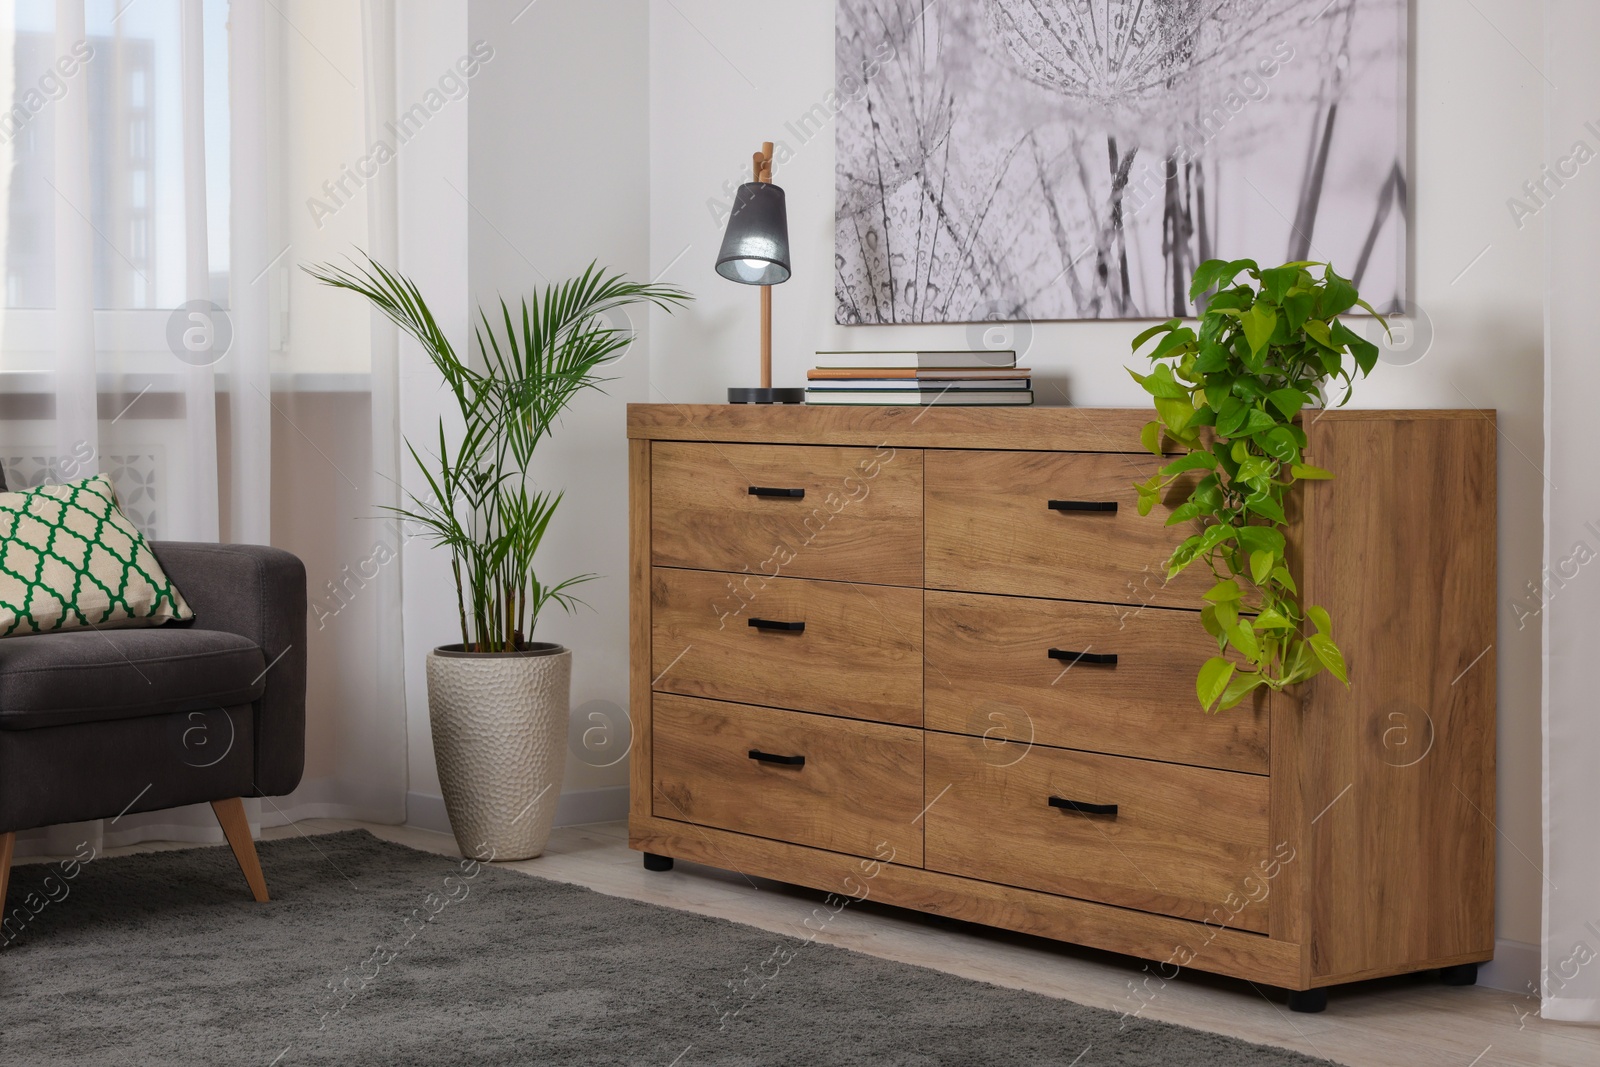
{"x": 103, "y": 770}
{"x": 94, "y": 724}
{"x": 259, "y": 593}
{"x": 95, "y": 675}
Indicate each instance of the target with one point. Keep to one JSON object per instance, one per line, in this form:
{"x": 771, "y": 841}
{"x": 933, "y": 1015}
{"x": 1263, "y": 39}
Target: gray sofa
{"x": 99, "y": 724}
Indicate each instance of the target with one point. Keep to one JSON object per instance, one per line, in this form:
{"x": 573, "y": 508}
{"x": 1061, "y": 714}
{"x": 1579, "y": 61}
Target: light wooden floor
{"x": 1413, "y": 1022}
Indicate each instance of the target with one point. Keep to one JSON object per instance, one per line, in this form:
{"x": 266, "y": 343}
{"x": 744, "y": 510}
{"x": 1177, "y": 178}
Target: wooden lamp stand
{"x": 761, "y": 168}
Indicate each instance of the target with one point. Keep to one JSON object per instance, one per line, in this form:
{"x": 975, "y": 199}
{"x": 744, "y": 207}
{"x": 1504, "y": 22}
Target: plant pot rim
{"x": 527, "y": 651}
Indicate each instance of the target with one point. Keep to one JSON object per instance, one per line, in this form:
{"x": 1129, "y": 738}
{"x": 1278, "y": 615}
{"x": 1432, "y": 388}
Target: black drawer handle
{"x": 1091, "y": 659}
{"x": 1078, "y": 806}
{"x": 767, "y": 757}
{"x": 1084, "y": 505}
{"x": 763, "y": 490}
{"x": 787, "y": 627}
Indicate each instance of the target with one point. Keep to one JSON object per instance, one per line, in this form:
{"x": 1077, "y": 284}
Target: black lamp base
{"x": 766, "y": 396}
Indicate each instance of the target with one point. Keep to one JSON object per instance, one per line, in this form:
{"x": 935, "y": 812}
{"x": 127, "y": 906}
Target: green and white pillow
{"x": 70, "y": 559}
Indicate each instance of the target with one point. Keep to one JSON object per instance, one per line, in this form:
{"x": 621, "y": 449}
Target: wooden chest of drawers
{"x": 943, "y": 638}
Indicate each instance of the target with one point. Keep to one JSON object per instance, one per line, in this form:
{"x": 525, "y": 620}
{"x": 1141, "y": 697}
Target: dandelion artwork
{"x": 1003, "y": 160}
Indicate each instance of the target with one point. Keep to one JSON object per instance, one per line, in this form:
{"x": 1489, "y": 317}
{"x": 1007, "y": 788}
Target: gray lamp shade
{"x": 755, "y": 249}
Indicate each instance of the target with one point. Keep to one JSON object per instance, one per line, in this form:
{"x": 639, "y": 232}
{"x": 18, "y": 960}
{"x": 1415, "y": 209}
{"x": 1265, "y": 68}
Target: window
{"x": 130, "y": 67}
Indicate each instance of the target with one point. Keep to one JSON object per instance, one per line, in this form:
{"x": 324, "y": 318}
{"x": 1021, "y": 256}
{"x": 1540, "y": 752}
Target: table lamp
{"x": 755, "y": 251}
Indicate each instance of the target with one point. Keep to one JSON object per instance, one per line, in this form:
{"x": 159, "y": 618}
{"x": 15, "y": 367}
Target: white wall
{"x": 540, "y": 170}
{"x": 559, "y": 178}
{"x": 1572, "y": 500}
{"x": 725, "y": 75}
{"x": 433, "y": 253}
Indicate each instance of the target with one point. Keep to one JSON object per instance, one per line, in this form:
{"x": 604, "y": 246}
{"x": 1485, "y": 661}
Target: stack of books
{"x": 919, "y": 378}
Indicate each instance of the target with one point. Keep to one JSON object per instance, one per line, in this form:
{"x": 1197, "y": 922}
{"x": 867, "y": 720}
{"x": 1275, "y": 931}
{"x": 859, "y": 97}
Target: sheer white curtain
{"x": 165, "y": 167}
{"x": 1570, "y": 979}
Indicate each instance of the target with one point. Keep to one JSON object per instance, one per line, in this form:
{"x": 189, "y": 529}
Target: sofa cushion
{"x": 69, "y": 559}
{"x": 98, "y": 675}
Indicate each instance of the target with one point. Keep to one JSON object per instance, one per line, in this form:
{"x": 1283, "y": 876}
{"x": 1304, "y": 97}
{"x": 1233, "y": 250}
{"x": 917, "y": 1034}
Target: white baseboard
{"x": 579, "y": 806}
{"x": 426, "y": 811}
{"x": 1515, "y": 968}
{"x": 592, "y": 805}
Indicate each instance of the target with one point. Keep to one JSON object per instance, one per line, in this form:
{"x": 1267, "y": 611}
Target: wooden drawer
{"x": 991, "y": 528}
{"x": 859, "y": 520}
{"x": 859, "y": 789}
{"x": 990, "y": 672}
{"x": 858, "y": 653}
{"x": 1182, "y": 842}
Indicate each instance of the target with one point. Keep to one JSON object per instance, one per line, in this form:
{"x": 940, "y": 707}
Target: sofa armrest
{"x": 260, "y": 593}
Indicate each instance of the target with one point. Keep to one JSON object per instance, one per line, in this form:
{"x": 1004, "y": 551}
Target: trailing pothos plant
{"x": 1230, "y": 394}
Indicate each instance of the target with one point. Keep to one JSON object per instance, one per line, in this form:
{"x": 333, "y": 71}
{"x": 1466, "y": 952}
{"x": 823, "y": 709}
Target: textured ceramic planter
{"x": 500, "y": 742}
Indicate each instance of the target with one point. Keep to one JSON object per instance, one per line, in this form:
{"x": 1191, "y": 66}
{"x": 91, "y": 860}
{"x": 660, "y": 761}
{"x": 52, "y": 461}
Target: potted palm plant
{"x": 498, "y": 700}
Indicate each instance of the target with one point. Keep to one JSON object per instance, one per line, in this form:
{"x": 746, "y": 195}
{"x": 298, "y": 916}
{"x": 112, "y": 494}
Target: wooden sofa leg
{"x": 8, "y": 845}
{"x": 236, "y": 827}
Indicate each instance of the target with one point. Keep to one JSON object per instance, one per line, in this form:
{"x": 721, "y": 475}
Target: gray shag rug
{"x": 372, "y": 953}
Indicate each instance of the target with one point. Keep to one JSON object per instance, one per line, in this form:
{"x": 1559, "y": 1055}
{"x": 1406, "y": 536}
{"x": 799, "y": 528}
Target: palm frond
{"x": 534, "y": 363}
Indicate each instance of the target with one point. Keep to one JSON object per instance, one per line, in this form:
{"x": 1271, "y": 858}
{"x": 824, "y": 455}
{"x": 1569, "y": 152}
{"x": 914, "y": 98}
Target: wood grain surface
{"x": 860, "y": 519}
{"x": 1184, "y": 840}
{"x": 859, "y": 790}
{"x": 989, "y": 673}
{"x": 991, "y": 530}
{"x": 860, "y": 654}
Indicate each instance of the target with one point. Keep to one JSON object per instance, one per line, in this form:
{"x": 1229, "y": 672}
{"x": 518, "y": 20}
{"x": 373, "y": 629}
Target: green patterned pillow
{"x": 70, "y": 559}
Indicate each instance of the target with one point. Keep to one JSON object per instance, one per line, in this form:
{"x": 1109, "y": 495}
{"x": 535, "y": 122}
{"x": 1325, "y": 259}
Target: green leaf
{"x": 1241, "y": 638}
{"x": 1276, "y": 283}
{"x": 1213, "y": 358}
{"x": 1308, "y": 473}
{"x": 1215, "y": 674}
{"x": 1240, "y": 265}
{"x": 1329, "y": 655}
{"x": 1147, "y": 499}
{"x": 1263, "y": 505}
{"x": 1209, "y": 275}
{"x": 1282, "y": 577}
{"x": 1218, "y": 388}
{"x": 1160, "y": 383}
{"x": 1176, "y": 414}
{"x": 1165, "y": 327}
{"x": 1261, "y": 566}
{"x": 1272, "y": 619}
{"x": 1239, "y": 687}
{"x": 1258, "y": 324}
{"x": 1297, "y": 308}
{"x": 1280, "y": 444}
{"x": 1338, "y": 296}
{"x": 1256, "y": 421}
{"x": 1227, "y": 589}
{"x": 1230, "y": 302}
{"x": 1365, "y": 351}
{"x": 1185, "y": 512}
{"x": 1254, "y": 470}
{"x": 1318, "y": 331}
{"x": 1319, "y": 618}
{"x": 1185, "y": 336}
{"x": 1208, "y": 619}
{"x": 1249, "y": 387}
{"x": 1195, "y": 547}
{"x": 1150, "y": 437}
{"x": 1192, "y": 462}
{"x": 1261, "y": 539}
{"x": 1287, "y": 401}
{"x": 1230, "y": 416}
